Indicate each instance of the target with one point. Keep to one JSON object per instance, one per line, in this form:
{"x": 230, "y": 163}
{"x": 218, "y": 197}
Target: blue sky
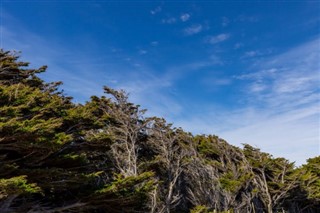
{"x": 247, "y": 71}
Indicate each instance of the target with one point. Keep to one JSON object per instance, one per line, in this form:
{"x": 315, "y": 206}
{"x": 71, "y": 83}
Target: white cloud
{"x": 238, "y": 45}
{"x": 156, "y": 10}
{"x": 218, "y": 38}
{"x": 246, "y": 18}
{"x": 225, "y": 21}
{"x": 185, "y": 17}
{"x": 288, "y": 88}
{"x": 289, "y": 75}
{"x": 255, "y": 53}
{"x": 292, "y": 134}
{"x": 251, "y": 53}
{"x": 154, "y": 43}
{"x": 257, "y": 87}
{"x": 170, "y": 20}
{"x": 217, "y": 82}
{"x": 282, "y": 135}
{"x": 193, "y": 29}
{"x": 258, "y": 75}
{"x": 280, "y": 107}
{"x": 216, "y": 60}
{"x": 143, "y": 52}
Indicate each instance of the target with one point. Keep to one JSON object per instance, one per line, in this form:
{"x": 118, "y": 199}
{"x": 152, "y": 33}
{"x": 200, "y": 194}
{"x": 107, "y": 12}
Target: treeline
{"x": 106, "y": 156}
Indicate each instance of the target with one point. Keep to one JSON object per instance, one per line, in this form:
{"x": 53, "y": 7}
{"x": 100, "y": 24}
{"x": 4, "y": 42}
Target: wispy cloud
{"x": 238, "y": 45}
{"x": 258, "y": 75}
{"x": 193, "y": 29}
{"x": 153, "y": 93}
{"x": 251, "y": 53}
{"x": 156, "y": 10}
{"x": 289, "y": 75}
{"x": 170, "y": 20}
{"x": 293, "y": 134}
{"x": 154, "y": 43}
{"x": 288, "y": 87}
{"x": 255, "y": 53}
{"x": 64, "y": 63}
{"x": 225, "y": 21}
{"x": 247, "y": 18}
{"x": 185, "y": 17}
{"x": 216, "y": 60}
{"x": 218, "y": 38}
{"x": 143, "y": 52}
{"x": 156, "y": 92}
{"x": 280, "y": 107}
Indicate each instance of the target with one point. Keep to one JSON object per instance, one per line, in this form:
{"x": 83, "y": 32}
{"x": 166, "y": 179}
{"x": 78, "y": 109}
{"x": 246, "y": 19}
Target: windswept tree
{"x": 55, "y": 155}
{"x": 104, "y": 155}
{"x": 274, "y": 178}
{"x": 309, "y": 191}
{"x": 168, "y": 145}
{"x": 128, "y": 130}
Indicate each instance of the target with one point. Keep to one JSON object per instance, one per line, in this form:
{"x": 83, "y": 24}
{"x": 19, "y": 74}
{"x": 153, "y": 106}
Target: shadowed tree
{"x": 167, "y": 144}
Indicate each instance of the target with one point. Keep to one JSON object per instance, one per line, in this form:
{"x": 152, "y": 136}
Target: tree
{"x": 127, "y": 129}
{"x": 167, "y": 144}
{"x": 274, "y": 179}
{"x": 309, "y": 180}
{"x": 104, "y": 155}
{"x": 55, "y": 155}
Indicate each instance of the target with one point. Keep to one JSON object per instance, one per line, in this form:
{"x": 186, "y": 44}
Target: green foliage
{"x": 200, "y": 209}
{"x": 128, "y": 186}
{"x": 310, "y": 178}
{"x": 17, "y": 186}
{"x": 207, "y": 146}
{"x": 204, "y": 209}
{"x": 104, "y": 155}
{"x": 231, "y": 183}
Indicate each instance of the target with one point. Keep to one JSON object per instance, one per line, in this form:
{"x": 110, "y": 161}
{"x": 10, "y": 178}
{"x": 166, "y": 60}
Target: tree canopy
{"x": 106, "y": 156}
